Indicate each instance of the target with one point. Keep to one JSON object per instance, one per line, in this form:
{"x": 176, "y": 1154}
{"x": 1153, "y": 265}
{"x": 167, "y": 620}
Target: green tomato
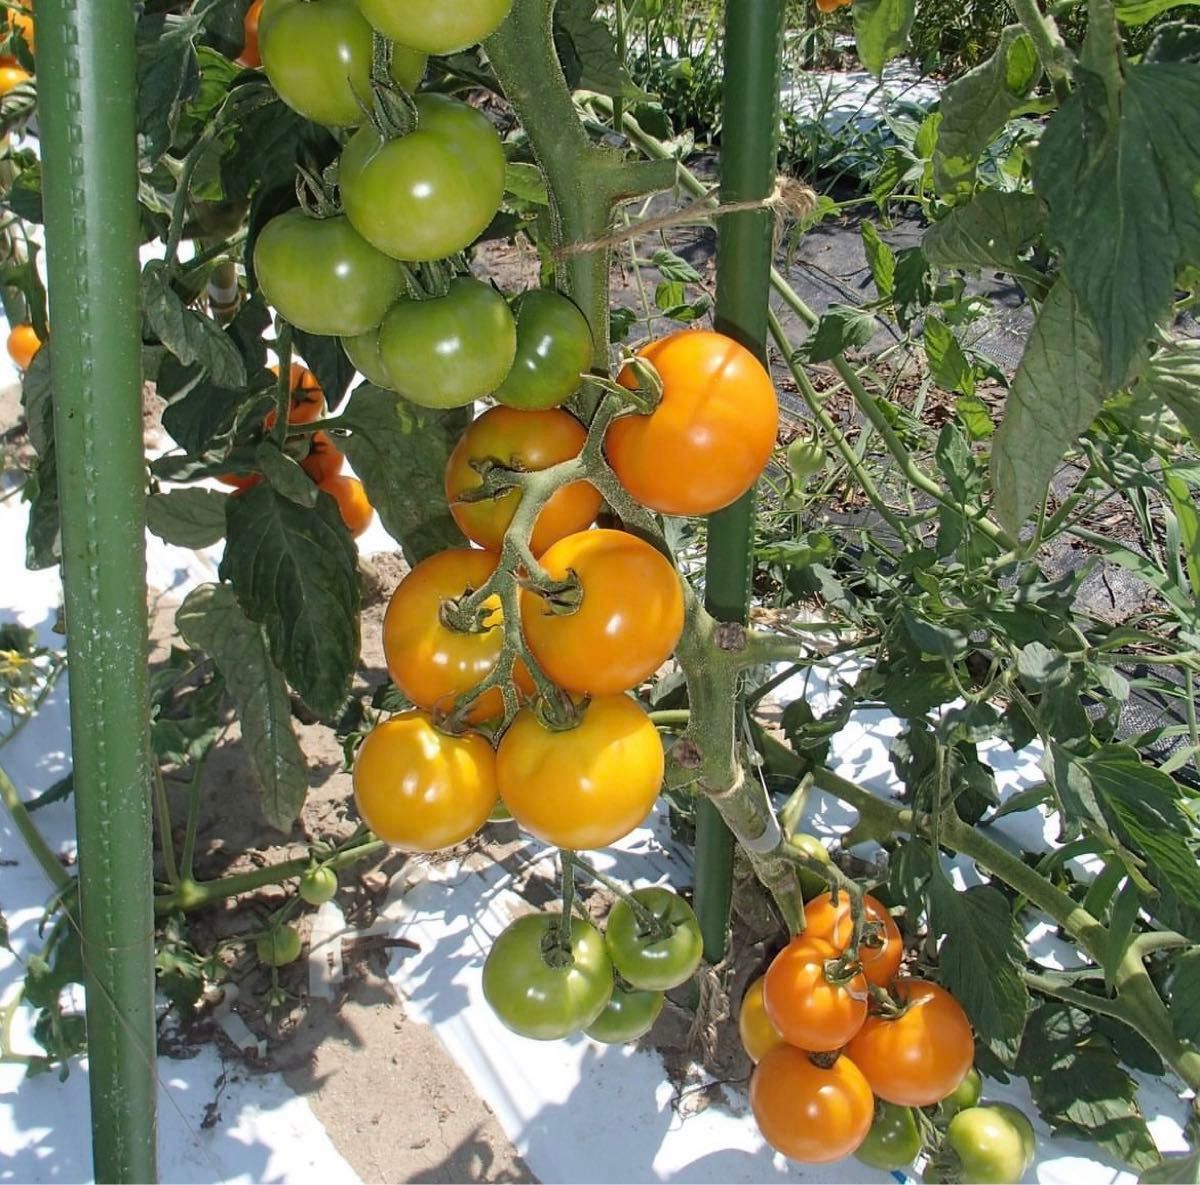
{"x": 536, "y": 999}
{"x": 318, "y": 885}
{"x": 451, "y": 350}
{"x": 554, "y": 347}
{"x": 893, "y": 1140}
{"x": 278, "y": 947}
{"x": 650, "y": 963}
{"x": 965, "y": 1094}
{"x": 806, "y": 458}
{"x": 436, "y": 26}
{"x": 428, "y": 194}
{"x": 323, "y": 276}
{"x": 317, "y": 55}
{"x": 363, "y": 352}
{"x": 629, "y": 1014}
{"x": 408, "y": 67}
{"x": 995, "y": 1143}
{"x": 812, "y": 884}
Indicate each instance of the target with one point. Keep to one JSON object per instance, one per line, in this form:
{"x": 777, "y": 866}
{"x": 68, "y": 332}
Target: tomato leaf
{"x": 168, "y": 75}
{"x": 841, "y": 328}
{"x": 1183, "y": 988}
{"x": 189, "y": 335}
{"x": 980, "y": 957}
{"x": 1138, "y": 12}
{"x": 212, "y": 620}
{"x": 1117, "y": 165}
{"x": 325, "y": 357}
{"x": 882, "y": 28}
{"x": 992, "y": 230}
{"x": 881, "y": 259}
{"x": 295, "y": 571}
{"x": 187, "y": 518}
{"x": 1080, "y": 1086}
{"x": 588, "y": 52}
{"x": 947, "y": 363}
{"x": 399, "y": 452}
{"x": 976, "y": 107}
{"x": 1174, "y": 1170}
{"x": 1055, "y": 395}
{"x": 285, "y": 474}
{"x": 1173, "y": 376}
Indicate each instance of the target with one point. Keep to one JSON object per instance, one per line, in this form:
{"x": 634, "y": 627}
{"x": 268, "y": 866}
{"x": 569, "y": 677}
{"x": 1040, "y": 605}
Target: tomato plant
{"x": 654, "y": 939}
{"x": 622, "y": 624}
{"x": 920, "y": 1056}
{"x": 811, "y": 1010}
{"x": 540, "y": 990}
{"x": 810, "y": 1113}
{"x": 427, "y": 194}
{"x": 420, "y": 789}
{"x": 586, "y": 786}
{"x": 554, "y": 348}
{"x": 526, "y": 441}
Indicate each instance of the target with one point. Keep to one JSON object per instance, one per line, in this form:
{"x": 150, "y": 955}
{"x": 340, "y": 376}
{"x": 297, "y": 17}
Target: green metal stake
{"x": 745, "y": 248}
{"x": 86, "y": 87}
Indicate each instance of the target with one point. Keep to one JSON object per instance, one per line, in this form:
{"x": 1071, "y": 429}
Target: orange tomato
{"x": 249, "y": 55}
{"x": 431, "y": 663}
{"x": 323, "y": 460}
{"x": 757, "y": 1032}
{"x": 351, "y": 498}
{"x": 630, "y": 613}
{"x": 22, "y": 18}
{"x": 804, "y": 1006}
{"x": 308, "y": 400}
{"x": 828, "y": 6}
{"x": 808, "y": 1113}
{"x": 919, "y": 1057}
{"x": 11, "y": 77}
{"x": 708, "y": 440}
{"x": 23, "y": 344}
{"x": 526, "y": 441}
{"x": 587, "y": 786}
{"x": 879, "y": 962}
{"x": 420, "y": 789}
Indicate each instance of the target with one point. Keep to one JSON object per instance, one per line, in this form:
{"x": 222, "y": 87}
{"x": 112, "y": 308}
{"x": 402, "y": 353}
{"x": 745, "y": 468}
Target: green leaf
{"x": 1138, "y": 12}
{"x": 285, "y": 475}
{"x": 1127, "y": 180}
{"x": 1056, "y": 394}
{"x": 43, "y": 544}
{"x": 187, "y": 518}
{"x": 212, "y": 620}
{"x": 840, "y": 329}
{"x": 980, "y": 957}
{"x": 325, "y": 357}
{"x": 168, "y": 75}
{"x": 204, "y": 418}
{"x": 588, "y": 52}
{"x": 295, "y": 572}
{"x": 189, "y": 335}
{"x": 1174, "y": 1170}
{"x": 975, "y": 416}
{"x": 1173, "y": 377}
{"x": 399, "y": 451}
{"x": 1183, "y": 988}
{"x": 977, "y": 106}
{"x": 939, "y": 641}
{"x": 947, "y": 362}
{"x": 881, "y": 28}
{"x": 526, "y": 182}
{"x": 674, "y": 267}
{"x": 37, "y": 399}
{"x": 881, "y": 260}
{"x": 991, "y": 231}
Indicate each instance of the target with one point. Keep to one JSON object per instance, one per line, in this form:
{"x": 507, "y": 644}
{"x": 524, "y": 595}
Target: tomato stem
{"x": 648, "y": 921}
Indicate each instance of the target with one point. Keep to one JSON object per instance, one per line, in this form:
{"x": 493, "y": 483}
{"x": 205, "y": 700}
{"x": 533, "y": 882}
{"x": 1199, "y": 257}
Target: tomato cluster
{"x": 544, "y": 984}
{"x": 845, "y": 1047}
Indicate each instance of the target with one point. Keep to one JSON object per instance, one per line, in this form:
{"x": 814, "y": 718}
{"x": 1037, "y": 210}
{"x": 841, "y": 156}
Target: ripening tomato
{"x": 802, "y": 1003}
{"x": 995, "y": 1143}
{"x": 526, "y": 441}
{"x": 322, "y": 275}
{"x": 250, "y": 55}
{"x": 431, "y": 663}
{"x": 324, "y": 460}
{"x": 880, "y": 952}
{"x": 810, "y": 1114}
{"x": 919, "y": 1057}
{"x": 535, "y": 990}
{"x": 438, "y": 28}
{"x": 318, "y": 55}
{"x": 828, "y": 6}
{"x": 420, "y": 789}
{"x": 629, "y": 1014}
{"x": 451, "y": 350}
{"x": 583, "y": 787}
{"x": 11, "y": 77}
{"x": 554, "y": 351}
{"x": 308, "y": 400}
{"x": 648, "y": 960}
{"x": 628, "y": 619}
{"x": 757, "y": 1032}
{"x": 430, "y": 193}
{"x": 711, "y": 436}
{"x": 363, "y": 352}
{"x": 352, "y": 501}
{"x": 23, "y": 344}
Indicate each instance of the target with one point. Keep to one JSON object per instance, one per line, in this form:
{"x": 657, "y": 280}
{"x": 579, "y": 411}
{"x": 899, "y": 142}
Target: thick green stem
{"x": 86, "y": 111}
{"x": 1056, "y": 59}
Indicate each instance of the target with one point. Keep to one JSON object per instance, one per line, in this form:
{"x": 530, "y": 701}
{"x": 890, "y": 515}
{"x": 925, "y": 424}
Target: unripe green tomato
{"x": 279, "y": 946}
{"x": 363, "y": 352}
{"x": 995, "y": 1144}
{"x": 554, "y": 349}
{"x": 436, "y": 26}
{"x": 893, "y": 1140}
{"x": 965, "y": 1094}
{"x": 318, "y": 885}
{"x": 812, "y": 884}
{"x": 408, "y": 67}
{"x": 805, "y": 458}
{"x": 629, "y": 1014}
